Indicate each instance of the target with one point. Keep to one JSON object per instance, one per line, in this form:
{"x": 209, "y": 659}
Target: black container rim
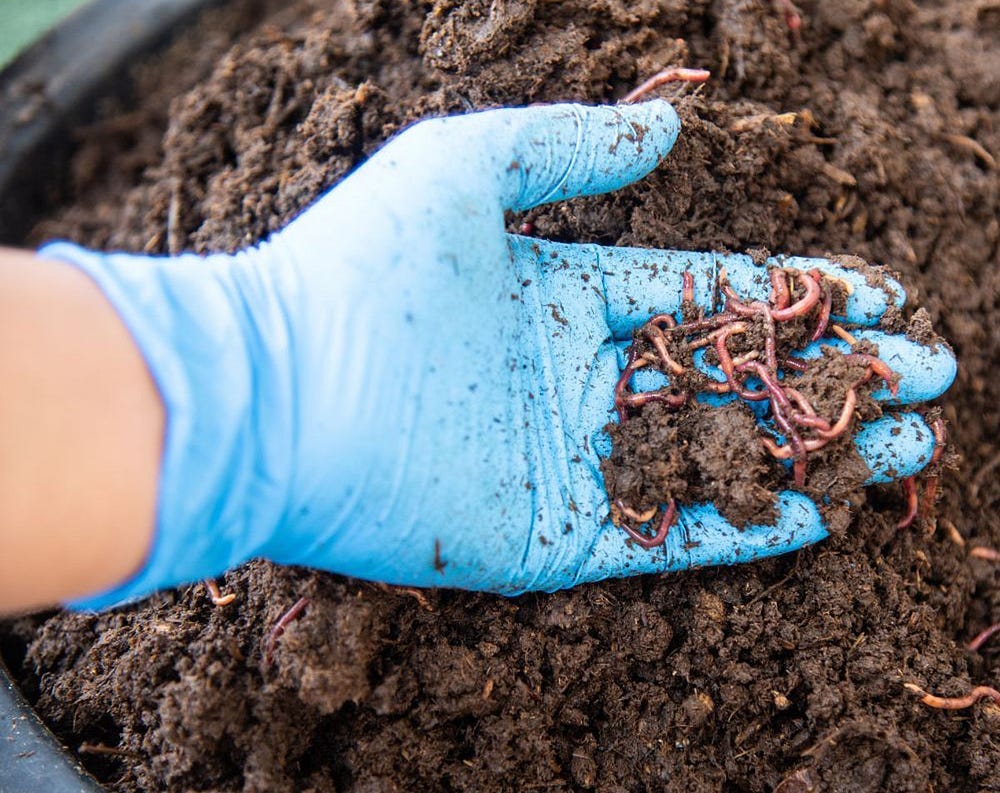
{"x": 55, "y": 85}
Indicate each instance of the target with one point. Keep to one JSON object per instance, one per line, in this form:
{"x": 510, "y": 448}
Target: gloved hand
{"x": 394, "y": 388}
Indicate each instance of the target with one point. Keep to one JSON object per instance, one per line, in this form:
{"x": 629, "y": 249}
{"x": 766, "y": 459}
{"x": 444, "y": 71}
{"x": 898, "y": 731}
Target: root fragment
{"x": 416, "y": 594}
{"x": 974, "y": 147}
{"x": 754, "y": 122}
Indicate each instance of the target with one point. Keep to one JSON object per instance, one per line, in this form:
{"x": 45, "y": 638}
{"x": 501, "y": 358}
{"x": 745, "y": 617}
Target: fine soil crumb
{"x": 696, "y": 455}
{"x": 735, "y": 471}
{"x": 786, "y": 674}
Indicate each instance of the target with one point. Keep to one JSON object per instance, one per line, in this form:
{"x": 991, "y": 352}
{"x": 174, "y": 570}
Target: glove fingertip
{"x": 895, "y": 447}
{"x": 569, "y": 150}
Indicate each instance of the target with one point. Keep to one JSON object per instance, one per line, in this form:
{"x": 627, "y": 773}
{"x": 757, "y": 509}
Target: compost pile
{"x": 786, "y": 674}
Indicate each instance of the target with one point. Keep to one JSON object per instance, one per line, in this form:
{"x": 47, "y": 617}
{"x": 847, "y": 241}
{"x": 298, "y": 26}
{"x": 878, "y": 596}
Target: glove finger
{"x": 895, "y": 447}
{"x": 544, "y": 154}
{"x": 925, "y": 372}
{"x": 701, "y": 537}
{"x": 871, "y": 291}
{"x": 641, "y": 282}
{"x": 522, "y": 157}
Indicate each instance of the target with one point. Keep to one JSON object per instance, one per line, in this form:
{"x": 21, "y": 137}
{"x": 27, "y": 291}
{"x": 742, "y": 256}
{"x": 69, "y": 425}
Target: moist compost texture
{"x": 786, "y": 674}
{"x": 669, "y": 446}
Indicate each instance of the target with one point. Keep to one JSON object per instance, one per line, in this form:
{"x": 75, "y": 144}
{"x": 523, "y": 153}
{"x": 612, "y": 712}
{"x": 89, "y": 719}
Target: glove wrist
{"x": 212, "y": 334}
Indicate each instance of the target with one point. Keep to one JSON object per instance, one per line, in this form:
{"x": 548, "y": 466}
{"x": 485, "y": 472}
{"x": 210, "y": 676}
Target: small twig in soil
{"x": 416, "y": 594}
{"x": 283, "y": 622}
{"x": 672, "y": 75}
{"x": 216, "y": 595}
{"x": 839, "y": 175}
{"x": 175, "y": 241}
{"x": 956, "y": 703}
{"x": 100, "y": 748}
{"x": 753, "y": 122}
{"x": 778, "y": 585}
{"x": 982, "y": 637}
{"x": 968, "y": 144}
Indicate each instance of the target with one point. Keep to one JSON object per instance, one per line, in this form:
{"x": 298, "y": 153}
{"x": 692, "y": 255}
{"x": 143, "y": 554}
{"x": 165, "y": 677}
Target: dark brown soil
{"x": 786, "y": 674}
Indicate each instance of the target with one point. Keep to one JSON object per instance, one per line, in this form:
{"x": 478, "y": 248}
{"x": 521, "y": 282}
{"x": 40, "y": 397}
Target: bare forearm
{"x": 81, "y": 427}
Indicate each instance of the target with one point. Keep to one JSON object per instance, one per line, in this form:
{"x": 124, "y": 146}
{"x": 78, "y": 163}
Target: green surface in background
{"x": 23, "y": 21}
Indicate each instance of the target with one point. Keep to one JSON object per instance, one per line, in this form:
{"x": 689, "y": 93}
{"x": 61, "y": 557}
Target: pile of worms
{"x": 744, "y": 338}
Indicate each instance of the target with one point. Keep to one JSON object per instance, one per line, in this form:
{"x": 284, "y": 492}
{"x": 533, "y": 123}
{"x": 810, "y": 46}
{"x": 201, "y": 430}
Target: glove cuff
{"x": 204, "y": 328}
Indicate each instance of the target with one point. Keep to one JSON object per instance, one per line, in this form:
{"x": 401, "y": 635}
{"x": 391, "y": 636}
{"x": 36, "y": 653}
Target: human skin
{"x": 81, "y": 431}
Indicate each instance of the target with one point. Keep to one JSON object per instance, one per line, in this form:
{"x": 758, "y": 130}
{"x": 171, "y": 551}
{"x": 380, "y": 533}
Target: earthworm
{"x": 283, "y": 622}
{"x": 671, "y": 75}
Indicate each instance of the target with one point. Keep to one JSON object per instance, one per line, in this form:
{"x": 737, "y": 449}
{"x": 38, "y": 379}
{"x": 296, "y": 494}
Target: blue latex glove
{"x": 394, "y": 388}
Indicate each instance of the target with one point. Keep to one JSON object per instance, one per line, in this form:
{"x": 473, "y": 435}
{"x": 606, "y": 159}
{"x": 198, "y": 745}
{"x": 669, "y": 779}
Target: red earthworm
{"x": 808, "y": 300}
{"x": 655, "y": 336}
{"x": 670, "y": 75}
{"x": 669, "y": 516}
{"x": 780, "y": 296}
{"x": 956, "y": 703}
{"x": 687, "y": 291}
{"x": 909, "y": 484}
{"x": 283, "y": 622}
{"x": 982, "y": 637}
{"x": 824, "y": 315}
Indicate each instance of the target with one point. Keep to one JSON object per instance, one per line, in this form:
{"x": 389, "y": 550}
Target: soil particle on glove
{"x": 785, "y": 674}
